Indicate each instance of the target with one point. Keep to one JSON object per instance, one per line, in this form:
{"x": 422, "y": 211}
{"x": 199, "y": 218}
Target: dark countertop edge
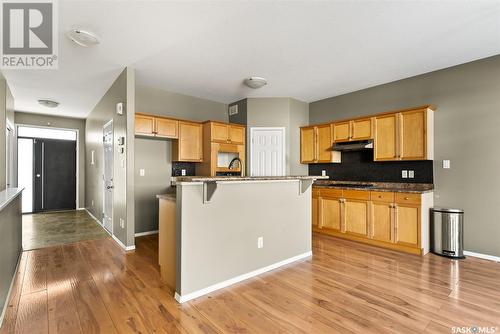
{"x": 383, "y": 189}
{"x": 180, "y": 179}
{"x": 8, "y": 195}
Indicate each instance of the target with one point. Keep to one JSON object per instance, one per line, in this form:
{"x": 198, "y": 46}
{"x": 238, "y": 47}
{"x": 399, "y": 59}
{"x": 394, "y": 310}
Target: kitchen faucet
{"x": 241, "y": 164}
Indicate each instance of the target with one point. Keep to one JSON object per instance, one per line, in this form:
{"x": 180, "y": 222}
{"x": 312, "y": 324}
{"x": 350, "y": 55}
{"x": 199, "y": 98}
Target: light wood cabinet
{"x": 412, "y": 135}
{"x": 385, "y": 141}
{"x": 316, "y": 145}
{"x": 397, "y": 221}
{"x": 315, "y": 208}
{"x": 166, "y": 128}
{"x": 189, "y": 145}
{"x": 227, "y": 133}
{"x": 144, "y": 125}
{"x": 359, "y": 129}
{"x": 167, "y": 241}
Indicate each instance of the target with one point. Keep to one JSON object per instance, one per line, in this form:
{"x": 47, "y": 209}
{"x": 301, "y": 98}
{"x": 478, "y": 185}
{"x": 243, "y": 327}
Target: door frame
{"x": 17, "y": 125}
{"x": 255, "y": 129}
{"x": 112, "y": 232}
{"x": 10, "y": 159}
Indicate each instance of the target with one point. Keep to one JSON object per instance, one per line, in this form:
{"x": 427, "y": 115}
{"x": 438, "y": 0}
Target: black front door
{"x": 54, "y": 174}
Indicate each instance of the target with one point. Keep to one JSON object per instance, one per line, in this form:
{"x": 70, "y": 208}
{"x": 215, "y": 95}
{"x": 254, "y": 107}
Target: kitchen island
{"x": 228, "y": 229}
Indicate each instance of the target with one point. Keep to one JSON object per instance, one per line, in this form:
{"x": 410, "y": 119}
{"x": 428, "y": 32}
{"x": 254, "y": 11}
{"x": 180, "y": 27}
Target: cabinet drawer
{"x": 357, "y": 194}
{"x": 407, "y": 198}
{"x": 382, "y": 196}
{"x": 330, "y": 192}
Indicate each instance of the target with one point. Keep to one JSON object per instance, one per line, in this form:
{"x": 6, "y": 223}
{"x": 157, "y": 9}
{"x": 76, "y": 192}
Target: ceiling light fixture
{"x": 83, "y": 37}
{"x": 48, "y": 103}
{"x": 255, "y": 82}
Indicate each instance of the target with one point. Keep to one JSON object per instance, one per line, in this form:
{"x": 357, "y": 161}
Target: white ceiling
{"x": 307, "y": 50}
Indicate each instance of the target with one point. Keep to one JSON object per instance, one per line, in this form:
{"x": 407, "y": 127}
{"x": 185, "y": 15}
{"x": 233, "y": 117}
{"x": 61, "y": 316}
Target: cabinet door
{"x": 356, "y": 217}
{"x": 382, "y": 222}
{"x": 144, "y": 125}
{"x": 342, "y": 131}
{"x": 237, "y": 134}
{"x": 315, "y": 203}
{"x": 385, "y": 140}
{"x": 324, "y": 142}
{"x": 412, "y": 136}
{"x": 330, "y": 213}
{"x": 190, "y": 145}
{"x": 165, "y": 127}
{"x": 407, "y": 224}
{"x": 361, "y": 129}
{"x": 220, "y": 132}
{"x": 307, "y": 145}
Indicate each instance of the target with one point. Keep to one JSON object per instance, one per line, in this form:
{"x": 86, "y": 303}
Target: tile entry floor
{"x": 56, "y": 228}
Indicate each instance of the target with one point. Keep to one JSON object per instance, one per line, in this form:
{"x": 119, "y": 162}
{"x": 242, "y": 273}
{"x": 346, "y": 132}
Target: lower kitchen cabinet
{"x": 398, "y": 221}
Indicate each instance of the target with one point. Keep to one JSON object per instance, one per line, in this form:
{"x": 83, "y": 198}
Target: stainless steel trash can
{"x": 447, "y": 232}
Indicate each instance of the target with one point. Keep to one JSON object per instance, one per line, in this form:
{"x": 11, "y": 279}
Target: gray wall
{"x": 467, "y": 123}
{"x": 241, "y": 116}
{"x": 218, "y": 241}
{"x": 64, "y": 123}
{"x": 154, "y": 155}
{"x": 280, "y": 112}
{"x": 122, "y": 90}
{"x": 3, "y": 117}
{"x": 10, "y": 245}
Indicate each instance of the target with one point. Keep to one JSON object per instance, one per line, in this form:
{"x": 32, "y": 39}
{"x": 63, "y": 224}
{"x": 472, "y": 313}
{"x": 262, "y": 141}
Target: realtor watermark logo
{"x": 29, "y": 34}
{"x": 474, "y": 330}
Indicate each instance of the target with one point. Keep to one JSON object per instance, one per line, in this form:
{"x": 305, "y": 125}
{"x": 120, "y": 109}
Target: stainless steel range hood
{"x": 353, "y": 146}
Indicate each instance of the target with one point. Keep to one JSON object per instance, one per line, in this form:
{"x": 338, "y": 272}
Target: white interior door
{"x": 10, "y": 157}
{"x": 267, "y": 151}
{"x": 107, "y": 216}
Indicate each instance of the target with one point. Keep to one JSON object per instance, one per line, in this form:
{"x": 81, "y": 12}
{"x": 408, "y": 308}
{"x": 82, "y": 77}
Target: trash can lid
{"x": 449, "y": 210}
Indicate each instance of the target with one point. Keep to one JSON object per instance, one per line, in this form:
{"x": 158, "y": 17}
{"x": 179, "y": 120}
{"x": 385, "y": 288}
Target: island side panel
{"x": 218, "y": 240}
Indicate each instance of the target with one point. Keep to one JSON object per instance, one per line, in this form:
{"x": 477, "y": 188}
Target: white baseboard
{"x": 231, "y": 281}
{"x": 122, "y": 245}
{"x": 7, "y": 299}
{"x": 98, "y": 221}
{"x": 483, "y": 256}
{"x": 141, "y": 234}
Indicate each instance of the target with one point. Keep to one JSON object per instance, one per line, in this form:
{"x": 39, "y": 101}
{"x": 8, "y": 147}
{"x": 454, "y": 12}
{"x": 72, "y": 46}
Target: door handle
{"x": 109, "y": 187}
{"x": 37, "y": 175}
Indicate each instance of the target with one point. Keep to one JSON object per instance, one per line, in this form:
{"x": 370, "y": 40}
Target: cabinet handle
{"x": 407, "y": 198}
{"x": 379, "y": 196}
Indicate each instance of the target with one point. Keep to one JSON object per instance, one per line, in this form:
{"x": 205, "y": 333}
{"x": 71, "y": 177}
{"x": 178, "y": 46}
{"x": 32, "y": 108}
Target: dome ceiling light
{"x": 83, "y": 38}
{"x": 255, "y": 82}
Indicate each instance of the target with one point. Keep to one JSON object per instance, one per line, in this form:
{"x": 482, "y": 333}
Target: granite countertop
{"x": 245, "y": 178}
{"x": 418, "y": 188}
{"x": 7, "y": 195}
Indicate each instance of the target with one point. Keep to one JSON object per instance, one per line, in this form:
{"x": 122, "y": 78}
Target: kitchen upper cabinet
{"x": 358, "y": 129}
{"x": 144, "y": 125}
{"x": 189, "y": 146}
{"x": 316, "y": 145}
{"x": 342, "y": 131}
{"x": 385, "y": 141}
{"x": 308, "y": 145}
{"x": 227, "y": 133}
{"x": 166, "y": 128}
{"x": 237, "y": 134}
{"x": 413, "y": 138}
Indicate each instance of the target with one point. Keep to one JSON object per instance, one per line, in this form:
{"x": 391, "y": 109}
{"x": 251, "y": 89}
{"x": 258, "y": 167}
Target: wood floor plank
{"x": 95, "y": 287}
{"x": 32, "y": 317}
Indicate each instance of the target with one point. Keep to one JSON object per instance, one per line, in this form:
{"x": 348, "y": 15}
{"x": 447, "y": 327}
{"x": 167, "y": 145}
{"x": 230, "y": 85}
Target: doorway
{"x": 108, "y": 176}
{"x": 267, "y": 151}
{"x": 47, "y": 168}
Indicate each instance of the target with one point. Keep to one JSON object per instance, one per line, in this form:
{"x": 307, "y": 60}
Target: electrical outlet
{"x": 142, "y": 172}
{"x": 411, "y": 174}
{"x": 404, "y": 174}
{"x": 323, "y": 172}
{"x": 183, "y": 172}
{"x": 260, "y": 242}
{"x": 446, "y": 164}
{"x": 122, "y": 223}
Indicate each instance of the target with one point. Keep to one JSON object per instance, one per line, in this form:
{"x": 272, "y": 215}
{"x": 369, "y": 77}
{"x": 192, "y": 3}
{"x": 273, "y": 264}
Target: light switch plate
{"x": 411, "y": 174}
{"x": 142, "y": 172}
{"x": 260, "y": 242}
{"x": 119, "y": 108}
{"x": 446, "y": 164}
{"x": 404, "y": 174}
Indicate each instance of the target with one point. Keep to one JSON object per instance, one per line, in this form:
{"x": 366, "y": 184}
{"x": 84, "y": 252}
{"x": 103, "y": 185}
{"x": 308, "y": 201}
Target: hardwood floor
{"x": 95, "y": 287}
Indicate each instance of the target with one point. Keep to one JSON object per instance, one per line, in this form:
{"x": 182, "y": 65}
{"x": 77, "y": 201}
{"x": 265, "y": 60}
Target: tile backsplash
{"x": 359, "y": 166}
{"x": 177, "y": 168}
